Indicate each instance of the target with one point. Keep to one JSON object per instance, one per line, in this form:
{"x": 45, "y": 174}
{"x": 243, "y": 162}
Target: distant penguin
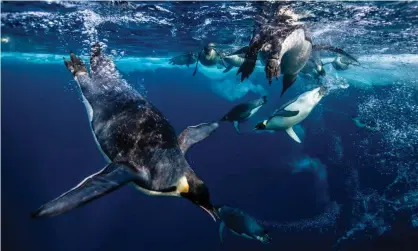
{"x": 244, "y": 111}
{"x": 241, "y": 224}
{"x": 293, "y": 112}
{"x": 341, "y": 63}
{"x": 372, "y": 126}
{"x": 209, "y": 56}
{"x": 186, "y": 59}
{"x": 314, "y": 67}
{"x": 135, "y": 138}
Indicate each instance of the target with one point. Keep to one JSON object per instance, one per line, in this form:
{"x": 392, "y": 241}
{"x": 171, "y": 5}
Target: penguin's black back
{"x": 130, "y": 129}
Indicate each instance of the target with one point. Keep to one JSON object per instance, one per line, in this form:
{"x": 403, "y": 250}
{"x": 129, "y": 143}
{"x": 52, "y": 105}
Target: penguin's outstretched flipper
{"x": 293, "y": 135}
{"x": 243, "y": 50}
{"x": 197, "y": 63}
{"x": 317, "y": 47}
{"x": 221, "y": 231}
{"x": 194, "y": 134}
{"x": 185, "y": 59}
{"x": 248, "y": 65}
{"x": 113, "y": 176}
{"x": 236, "y": 126}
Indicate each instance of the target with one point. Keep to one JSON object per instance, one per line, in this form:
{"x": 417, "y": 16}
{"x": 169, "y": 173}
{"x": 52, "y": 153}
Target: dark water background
{"x": 47, "y": 148}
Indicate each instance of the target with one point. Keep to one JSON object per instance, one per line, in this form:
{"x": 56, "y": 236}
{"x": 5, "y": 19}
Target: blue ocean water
{"x": 343, "y": 188}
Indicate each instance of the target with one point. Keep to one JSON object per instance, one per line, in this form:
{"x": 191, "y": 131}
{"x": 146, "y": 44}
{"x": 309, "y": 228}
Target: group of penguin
{"x": 141, "y": 146}
{"x": 288, "y": 52}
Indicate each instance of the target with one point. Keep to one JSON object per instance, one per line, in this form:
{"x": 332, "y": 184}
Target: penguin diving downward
{"x": 244, "y": 111}
{"x": 284, "y": 47}
{"x": 241, "y": 224}
{"x": 293, "y": 113}
{"x": 136, "y": 139}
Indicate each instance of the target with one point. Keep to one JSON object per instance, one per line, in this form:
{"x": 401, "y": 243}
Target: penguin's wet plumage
{"x": 135, "y": 137}
{"x": 241, "y": 224}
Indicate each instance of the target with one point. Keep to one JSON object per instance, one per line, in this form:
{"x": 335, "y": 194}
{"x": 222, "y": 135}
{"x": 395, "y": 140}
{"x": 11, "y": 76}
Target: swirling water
{"x": 343, "y": 188}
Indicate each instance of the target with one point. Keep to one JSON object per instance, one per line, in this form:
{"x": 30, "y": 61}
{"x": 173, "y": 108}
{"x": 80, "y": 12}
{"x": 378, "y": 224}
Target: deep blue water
{"x": 47, "y": 146}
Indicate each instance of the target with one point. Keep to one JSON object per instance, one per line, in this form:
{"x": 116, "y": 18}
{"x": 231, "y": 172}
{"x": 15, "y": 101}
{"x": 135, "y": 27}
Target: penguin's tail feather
{"x": 243, "y": 50}
{"x": 112, "y": 177}
{"x": 327, "y": 47}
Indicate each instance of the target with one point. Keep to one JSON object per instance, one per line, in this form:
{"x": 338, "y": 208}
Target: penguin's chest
{"x": 295, "y": 52}
{"x": 90, "y": 114}
{"x": 210, "y": 59}
{"x": 181, "y": 186}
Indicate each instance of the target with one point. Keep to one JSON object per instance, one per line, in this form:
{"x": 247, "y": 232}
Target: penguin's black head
{"x": 208, "y": 48}
{"x": 198, "y": 193}
{"x": 260, "y": 126}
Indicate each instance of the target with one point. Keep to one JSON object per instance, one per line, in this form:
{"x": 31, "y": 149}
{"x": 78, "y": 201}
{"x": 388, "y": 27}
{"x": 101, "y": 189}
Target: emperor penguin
{"x": 241, "y": 224}
{"x": 209, "y": 56}
{"x": 186, "y": 59}
{"x": 135, "y": 138}
{"x": 293, "y": 112}
{"x": 235, "y": 59}
{"x": 244, "y": 111}
{"x": 284, "y": 47}
{"x": 341, "y": 62}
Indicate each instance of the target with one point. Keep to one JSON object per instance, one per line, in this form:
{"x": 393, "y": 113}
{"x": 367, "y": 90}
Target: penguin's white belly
{"x": 282, "y": 123}
{"x": 209, "y": 60}
{"x": 88, "y": 108}
{"x": 296, "y": 52}
{"x": 254, "y": 111}
{"x": 90, "y": 113}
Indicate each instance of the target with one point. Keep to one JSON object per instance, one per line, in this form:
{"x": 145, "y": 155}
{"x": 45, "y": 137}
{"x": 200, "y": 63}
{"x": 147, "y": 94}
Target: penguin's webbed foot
{"x": 75, "y": 65}
{"x": 272, "y": 69}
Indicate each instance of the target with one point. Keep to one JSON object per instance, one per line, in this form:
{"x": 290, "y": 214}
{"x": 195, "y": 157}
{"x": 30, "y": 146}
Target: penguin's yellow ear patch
{"x": 183, "y": 185}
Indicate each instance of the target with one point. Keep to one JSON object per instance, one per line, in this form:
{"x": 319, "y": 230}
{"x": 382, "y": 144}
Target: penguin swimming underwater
{"x": 341, "y": 63}
{"x": 244, "y": 111}
{"x": 293, "y": 113}
{"x": 136, "y": 139}
{"x": 241, "y": 224}
{"x": 371, "y": 125}
{"x": 186, "y": 59}
{"x": 314, "y": 66}
{"x": 235, "y": 59}
{"x": 283, "y": 46}
{"x": 209, "y": 56}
